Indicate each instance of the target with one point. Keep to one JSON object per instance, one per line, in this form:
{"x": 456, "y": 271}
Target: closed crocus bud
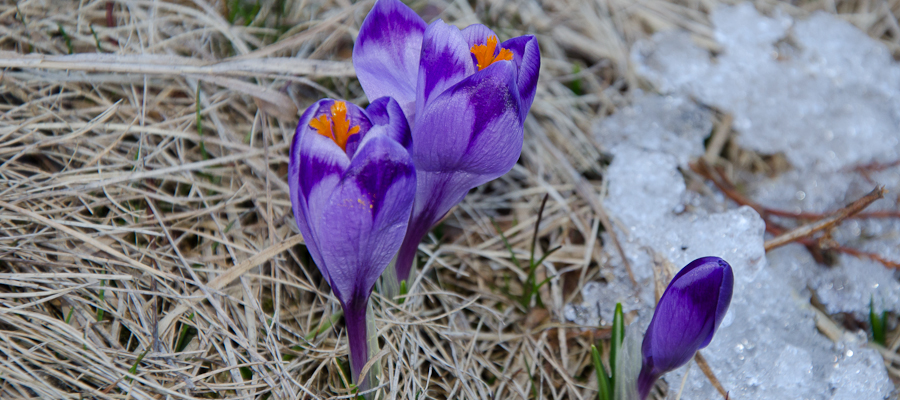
{"x": 686, "y": 318}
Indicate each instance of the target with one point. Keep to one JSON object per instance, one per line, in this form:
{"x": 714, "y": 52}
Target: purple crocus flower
{"x": 464, "y": 94}
{"x": 352, "y": 187}
{"x": 687, "y": 316}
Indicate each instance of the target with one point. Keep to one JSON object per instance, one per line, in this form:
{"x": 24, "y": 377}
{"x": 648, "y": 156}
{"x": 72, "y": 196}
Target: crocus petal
{"x": 527, "y": 56}
{"x": 386, "y": 112}
{"x": 467, "y": 136}
{"x": 445, "y": 60}
{"x": 686, "y": 317}
{"x": 366, "y": 216}
{"x": 473, "y": 128}
{"x": 315, "y": 167}
{"x": 725, "y": 292}
{"x": 477, "y": 34}
{"x": 688, "y": 314}
{"x": 386, "y": 53}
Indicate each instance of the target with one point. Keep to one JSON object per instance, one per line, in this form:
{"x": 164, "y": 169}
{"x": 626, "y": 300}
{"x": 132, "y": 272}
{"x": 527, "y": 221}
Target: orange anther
{"x": 485, "y": 53}
{"x": 338, "y": 128}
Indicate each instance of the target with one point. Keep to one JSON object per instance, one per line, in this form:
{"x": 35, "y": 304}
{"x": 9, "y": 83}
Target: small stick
{"x": 717, "y": 141}
{"x": 111, "y": 20}
{"x": 826, "y": 223}
{"x": 702, "y": 168}
{"x": 872, "y": 256}
{"x": 704, "y": 366}
{"x": 723, "y": 184}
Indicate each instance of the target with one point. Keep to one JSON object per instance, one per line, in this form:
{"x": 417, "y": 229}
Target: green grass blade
{"x": 605, "y": 386}
{"x": 96, "y": 39}
{"x": 325, "y": 325}
{"x": 69, "y": 315}
{"x": 537, "y": 227}
{"x": 66, "y": 38}
{"x": 199, "y": 118}
{"x": 133, "y": 369}
{"x": 506, "y": 243}
{"x": 618, "y": 335}
{"x": 102, "y": 300}
{"x": 547, "y": 254}
{"x": 877, "y": 324}
{"x": 403, "y": 291}
{"x": 187, "y": 334}
{"x": 534, "y": 391}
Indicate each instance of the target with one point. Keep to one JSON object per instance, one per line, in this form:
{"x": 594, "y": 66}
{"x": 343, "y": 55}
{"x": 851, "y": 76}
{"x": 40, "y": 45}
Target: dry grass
{"x": 146, "y": 241}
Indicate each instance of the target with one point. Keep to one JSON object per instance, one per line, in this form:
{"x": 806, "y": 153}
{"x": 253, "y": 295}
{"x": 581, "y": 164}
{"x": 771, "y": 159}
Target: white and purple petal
{"x": 467, "y": 136}
{"x": 472, "y": 128}
{"x": 527, "y": 57}
{"x": 445, "y": 60}
{"x": 316, "y": 165}
{"x": 386, "y": 53}
{"x": 477, "y": 34}
{"x": 366, "y": 216}
{"x": 386, "y": 112}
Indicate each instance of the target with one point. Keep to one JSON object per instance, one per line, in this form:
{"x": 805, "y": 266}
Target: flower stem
{"x": 357, "y": 335}
{"x": 645, "y": 382}
{"x": 407, "y": 255}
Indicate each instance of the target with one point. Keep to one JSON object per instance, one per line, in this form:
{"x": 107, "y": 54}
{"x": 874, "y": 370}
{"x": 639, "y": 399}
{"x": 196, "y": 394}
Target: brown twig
{"x": 826, "y": 223}
{"x": 722, "y": 183}
{"x": 111, "y": 20}
{"x": 718, "y": 138}
{"x": 871, "y": 256}
{"x": 866, "y": 170}
{"x": 822, "y": 221}
{"x": 816, "y": 216}
{"x": 704, "y": 366}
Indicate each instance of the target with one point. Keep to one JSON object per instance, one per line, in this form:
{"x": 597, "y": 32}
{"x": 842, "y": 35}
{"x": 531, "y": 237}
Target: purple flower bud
{"x": 352, "y": 185}
{"x": 686, "y": 318}
{"x": 465, "y": 95}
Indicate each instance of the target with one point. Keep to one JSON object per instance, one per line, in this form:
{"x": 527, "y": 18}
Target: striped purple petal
{"x": 315, "y": 167}
{"x": 445, "y": 61}
{"x": 527, "y": 57}
{"x": 365, "y": 217}
{"x": 387, "y": 112}
{"x": 386, "y": 53}
{"x": 472, "y": 128}
{"x": 469, "y": 135}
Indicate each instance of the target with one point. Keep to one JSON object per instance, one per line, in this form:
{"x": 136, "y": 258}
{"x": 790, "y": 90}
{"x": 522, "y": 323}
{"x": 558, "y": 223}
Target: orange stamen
{"x": 322, "y": 125}
{"x": 338, "y": 128}
{"x": 485, "y": 53}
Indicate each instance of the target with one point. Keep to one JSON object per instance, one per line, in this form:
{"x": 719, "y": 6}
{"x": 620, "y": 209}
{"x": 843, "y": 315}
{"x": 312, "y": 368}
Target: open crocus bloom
{"x": 464, "y": 94}
{"x": 352, "y": 185}
{"x": 687, "y": 316}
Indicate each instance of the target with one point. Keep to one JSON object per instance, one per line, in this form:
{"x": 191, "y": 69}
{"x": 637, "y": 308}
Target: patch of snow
{"x": 677, "y": 128}
{"x": 825, "y": 95}
{"x": 818, "y": 90}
